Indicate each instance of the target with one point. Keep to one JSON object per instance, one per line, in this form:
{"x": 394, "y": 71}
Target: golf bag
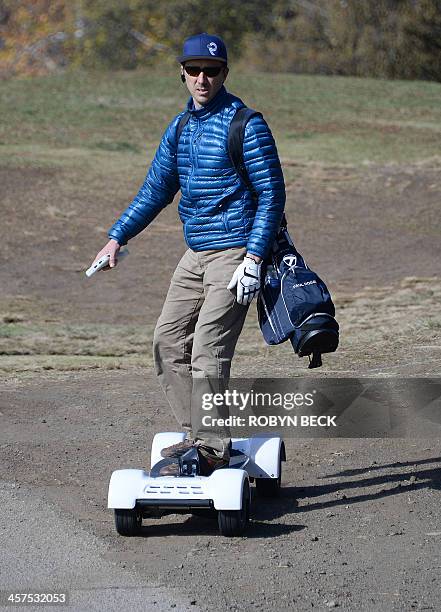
{"x": 295, "y": 304}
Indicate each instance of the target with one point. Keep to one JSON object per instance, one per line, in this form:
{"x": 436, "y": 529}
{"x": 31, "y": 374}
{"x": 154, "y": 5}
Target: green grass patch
{"x": 325, "y": 119}
{"x": 56, "y": 339}
{"x": 13, "y": 330}
{"x": 116, "y": 146}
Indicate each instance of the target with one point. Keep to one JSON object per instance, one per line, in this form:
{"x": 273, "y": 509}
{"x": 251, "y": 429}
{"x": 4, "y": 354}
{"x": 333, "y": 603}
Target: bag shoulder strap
{"x": 236, "y": 137}
{"x": 181, "y": 125}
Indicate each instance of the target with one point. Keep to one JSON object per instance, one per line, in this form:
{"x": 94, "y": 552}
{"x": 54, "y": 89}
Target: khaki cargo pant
{"x": 195, "y": 339}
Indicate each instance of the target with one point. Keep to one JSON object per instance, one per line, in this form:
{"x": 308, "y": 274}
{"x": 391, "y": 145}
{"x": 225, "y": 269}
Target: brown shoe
{"x": 171, "y": 469}
{"x": 213, "y": 455}
{"x": 177, "y": 450}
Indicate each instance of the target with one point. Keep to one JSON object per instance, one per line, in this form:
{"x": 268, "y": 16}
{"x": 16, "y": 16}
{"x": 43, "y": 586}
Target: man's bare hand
{"x": 112, "y": 248}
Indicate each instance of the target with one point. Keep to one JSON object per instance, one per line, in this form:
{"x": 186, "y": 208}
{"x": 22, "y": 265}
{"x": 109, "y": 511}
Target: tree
{"x": 376, "y": 38}
{"x": 32, "y": 34}
{"x": 124, "y": 33}
{"x": 422, "y": 46}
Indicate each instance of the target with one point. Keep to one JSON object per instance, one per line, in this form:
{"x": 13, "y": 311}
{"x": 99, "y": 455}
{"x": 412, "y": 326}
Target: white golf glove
{"x": 247, "y": 280}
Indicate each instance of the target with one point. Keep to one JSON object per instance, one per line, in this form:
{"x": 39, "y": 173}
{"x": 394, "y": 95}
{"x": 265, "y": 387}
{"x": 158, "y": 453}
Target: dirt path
{"x": 67, "y": 559}
{"x": 357, "y": 525}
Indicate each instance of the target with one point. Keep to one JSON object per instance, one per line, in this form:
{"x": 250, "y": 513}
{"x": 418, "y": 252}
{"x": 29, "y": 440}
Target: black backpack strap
{"x": 235, "y": 144}
{"x": 181, "y": 125}
{"x": 236, "y": 137}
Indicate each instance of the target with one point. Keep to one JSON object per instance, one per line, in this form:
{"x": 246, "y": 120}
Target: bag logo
{"x": 290, "y": 260}
{"x": 212, "y": 48}
{"x": 311, "y": 282}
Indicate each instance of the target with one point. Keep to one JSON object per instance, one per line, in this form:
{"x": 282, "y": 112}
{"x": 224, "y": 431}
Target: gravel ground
{"x": 357, "y": 525}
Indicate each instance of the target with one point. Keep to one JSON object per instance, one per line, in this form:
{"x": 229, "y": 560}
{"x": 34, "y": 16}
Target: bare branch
{"x": 311, "y": 7}
{"x": 146, "y": 41}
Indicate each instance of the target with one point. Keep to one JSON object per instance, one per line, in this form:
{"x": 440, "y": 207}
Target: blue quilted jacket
{"x": 216, "y": 208}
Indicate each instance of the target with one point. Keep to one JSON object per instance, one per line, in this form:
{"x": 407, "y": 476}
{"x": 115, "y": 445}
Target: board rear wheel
{"x": 270, "y": 487}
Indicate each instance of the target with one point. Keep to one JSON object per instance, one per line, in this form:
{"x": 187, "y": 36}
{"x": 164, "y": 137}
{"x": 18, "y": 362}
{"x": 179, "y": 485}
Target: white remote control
{"x": 103, "y": 262}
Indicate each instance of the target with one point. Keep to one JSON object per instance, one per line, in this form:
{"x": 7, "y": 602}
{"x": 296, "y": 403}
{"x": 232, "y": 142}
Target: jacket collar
{"x": 211, "y": 108}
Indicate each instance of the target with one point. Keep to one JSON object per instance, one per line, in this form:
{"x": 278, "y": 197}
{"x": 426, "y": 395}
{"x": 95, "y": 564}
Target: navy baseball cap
{"x": 204, "y": 46}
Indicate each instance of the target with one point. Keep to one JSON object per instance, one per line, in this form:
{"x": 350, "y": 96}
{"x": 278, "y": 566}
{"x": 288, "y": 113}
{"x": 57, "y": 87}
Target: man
{"x": 227, "y": 231}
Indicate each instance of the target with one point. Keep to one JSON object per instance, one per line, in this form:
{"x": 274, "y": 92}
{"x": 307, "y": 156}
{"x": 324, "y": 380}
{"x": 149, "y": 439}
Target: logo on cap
{"x": 212, "y": 48}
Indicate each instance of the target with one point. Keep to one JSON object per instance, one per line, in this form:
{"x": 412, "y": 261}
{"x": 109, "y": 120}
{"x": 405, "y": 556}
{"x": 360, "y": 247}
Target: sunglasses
{"x": 209, "y": 71}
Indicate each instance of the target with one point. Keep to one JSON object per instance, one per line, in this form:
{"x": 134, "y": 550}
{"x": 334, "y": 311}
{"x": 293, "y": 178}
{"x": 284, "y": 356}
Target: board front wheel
{"x": 128, "y": 522}
{"x": 234, "y": 522}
